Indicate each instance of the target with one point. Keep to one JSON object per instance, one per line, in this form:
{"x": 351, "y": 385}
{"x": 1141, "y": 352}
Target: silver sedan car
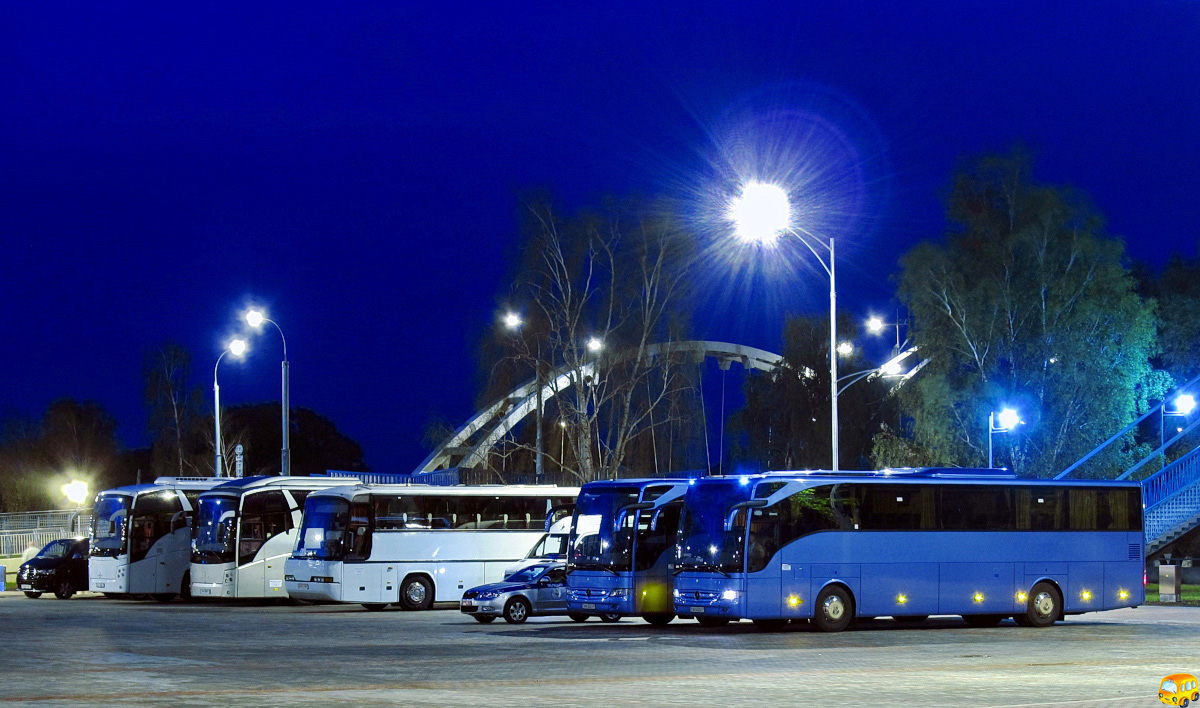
{"x": 534, "y": 590}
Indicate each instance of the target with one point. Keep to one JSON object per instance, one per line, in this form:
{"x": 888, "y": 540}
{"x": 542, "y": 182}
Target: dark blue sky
{"x": 357, "y": 169}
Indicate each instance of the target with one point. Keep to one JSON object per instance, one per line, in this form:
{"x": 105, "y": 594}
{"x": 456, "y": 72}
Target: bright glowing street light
{"x": 594, "y": 344}
{"x": 256, "y": 318}
{"x": 512, "y": 320}
{"x": 1184, "y": 404}
{"x": 875, "y": 325}
{"x": 760, "y": 214}
{"x": 845, "y": 348}
{"x": 76, "y": 491}
{"x": 1002, "y": 422}
{"x": 236, "y": 347}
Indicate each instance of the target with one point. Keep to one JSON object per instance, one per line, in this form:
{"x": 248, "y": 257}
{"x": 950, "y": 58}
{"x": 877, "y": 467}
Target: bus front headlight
{"x": 729, "y": 595}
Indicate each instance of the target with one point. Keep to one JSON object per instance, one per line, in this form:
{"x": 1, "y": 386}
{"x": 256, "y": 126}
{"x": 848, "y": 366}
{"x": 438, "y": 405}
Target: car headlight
{"x": 729, "y": 595}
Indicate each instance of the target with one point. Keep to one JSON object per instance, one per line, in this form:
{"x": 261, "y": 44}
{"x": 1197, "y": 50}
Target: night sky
{"x": 358, "y": 170}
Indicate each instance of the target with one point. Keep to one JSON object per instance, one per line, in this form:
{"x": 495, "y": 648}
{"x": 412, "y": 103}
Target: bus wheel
{"x": 609, "y": 617}
{"x": 114, "y": 595}
{"x": 185, "y": 590}
{"x": 416, "y": 593}
{"x": 835, "y": 609}
{"x": 712, "y": 621}
{"x": 163, "y": 596}
{"x": 984, "y": 620}
{"x": 659, "y": 619}
{"x": 578, "y": 616}
{"x": 910, "y": 618}
{"x": 32, "y": 595}
{"x": 770, "y": 625}
{"x": 64, "y": 591}
{"x": 374, "y": 606}
{"x": 516, "y": 611}
{"x": 1042, "y": 608}
{"x": 484, "y": 619}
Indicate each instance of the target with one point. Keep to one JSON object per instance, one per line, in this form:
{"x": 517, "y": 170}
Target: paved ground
{"x": 93, "y": 651}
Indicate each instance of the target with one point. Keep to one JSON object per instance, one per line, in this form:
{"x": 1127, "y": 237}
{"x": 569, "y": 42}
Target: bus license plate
{"x": 302, "y": 586}
{"x": 587, "y": 606}
{"x": 696, "y": 610}
{"x": 99, "y": 585}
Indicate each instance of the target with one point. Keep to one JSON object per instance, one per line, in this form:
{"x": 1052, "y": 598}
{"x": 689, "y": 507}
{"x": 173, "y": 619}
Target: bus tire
{"x": 659, "y": 619}
{"x": 516, "y": 610}
{"x": 32, "y": 595}
{"x": 185, "y": 590}
{"x": 712, "y": 621}
{"x": 610, "y": 617}
{"x": 984, "y": 620}
{"x": 163, "y": 596}
{"x": 835, "y": 609}
{"x": 578, "y": 616}
{"x": 65, "y": 590}
{"x": 1042, "y": 607}
{"x": 375, "y": 606}
{"x": 910, "y": 618}
{"x": 770, "y": 625}
{"x": 484, "y": 619}
{"x": 416, "y": 593}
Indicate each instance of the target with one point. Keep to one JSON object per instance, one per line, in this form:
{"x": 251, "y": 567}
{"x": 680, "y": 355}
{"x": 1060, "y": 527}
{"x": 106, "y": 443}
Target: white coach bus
{"x": 414, "y": 545}
{"x": 245, "y": 529}
{"x": 141, "y": 537}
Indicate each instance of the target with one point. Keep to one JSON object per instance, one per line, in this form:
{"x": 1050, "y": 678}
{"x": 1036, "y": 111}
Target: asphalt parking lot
{"x": 95, "y": 651}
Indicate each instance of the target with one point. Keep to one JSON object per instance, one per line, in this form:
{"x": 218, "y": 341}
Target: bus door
{"x": 764, "y": 582}
{"x": 653, "y": 581}
{"x": 159, "y": 550}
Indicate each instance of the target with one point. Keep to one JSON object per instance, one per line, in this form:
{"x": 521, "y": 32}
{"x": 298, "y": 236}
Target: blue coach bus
{"x": 621, "y": 548}
{"x": 829, "y": 547}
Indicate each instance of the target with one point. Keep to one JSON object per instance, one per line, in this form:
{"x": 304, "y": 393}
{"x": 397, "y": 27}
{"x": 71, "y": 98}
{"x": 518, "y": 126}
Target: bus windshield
{"x": 215, "y": 530}
{"x": 109, "y": 523}
{"x": 704, "y": 542}
{"x": 323, "y": 531}
{"x": 602, "y": 536}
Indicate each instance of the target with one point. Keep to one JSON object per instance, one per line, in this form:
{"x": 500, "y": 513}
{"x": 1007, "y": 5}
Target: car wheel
{"x": 910, "y": 618}
{"x": 375, "y": 606}
{"x": 516, "y": 610}
{"x": 659, "y": 619}
{"x": 610, "y": 617}
{"x": 164, "y": 596}
{"x": 416, "y": 593}
{"x": 484, "y": 619}
{"x": 835, "y": 609}
{"x": 712, "y": 621}
{"x": 770, "y": 625}
{"x": 32, "y": 595}
{"x": 984, "y": 620}
{"x": 64, "y": 591}
{"x": 578, "y": 616}
{"x": 1042, "y": 607}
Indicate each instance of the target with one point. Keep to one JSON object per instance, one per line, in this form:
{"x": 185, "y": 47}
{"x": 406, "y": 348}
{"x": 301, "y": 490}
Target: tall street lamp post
{"x": 237, "y": 348}
{"x": 255, "y": 319}
{"x": 513, "y": 322}
{"x": 1002, "y": 422}
{"x": 1184, "y": 404}
{"x": 760, "y": 214}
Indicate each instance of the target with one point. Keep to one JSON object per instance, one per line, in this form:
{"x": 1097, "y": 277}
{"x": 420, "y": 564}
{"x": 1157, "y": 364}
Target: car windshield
{"x": 1169, "y": 686}
{"x": 109, "y": 522}
{"x": 705, "y": 543}
{"x": 551, "y": 545}
{"x": 323, "y": 532}
{"x": 602, "y": 535}
{"x": 527, "y": 574}
{"x": 57, "y": 549}
{"x": 215, "y": 529}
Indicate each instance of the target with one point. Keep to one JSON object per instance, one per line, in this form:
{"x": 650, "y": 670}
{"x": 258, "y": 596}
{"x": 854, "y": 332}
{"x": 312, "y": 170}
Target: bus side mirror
{"x": 733, "y": 510}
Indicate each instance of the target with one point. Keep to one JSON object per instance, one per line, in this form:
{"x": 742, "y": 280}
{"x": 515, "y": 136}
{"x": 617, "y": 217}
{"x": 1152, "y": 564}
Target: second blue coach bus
{"x": 831, "y": 547}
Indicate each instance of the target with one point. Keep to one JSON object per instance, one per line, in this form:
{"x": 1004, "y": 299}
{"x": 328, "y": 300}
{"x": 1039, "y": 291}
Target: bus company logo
{"x": 1178, "y": 690}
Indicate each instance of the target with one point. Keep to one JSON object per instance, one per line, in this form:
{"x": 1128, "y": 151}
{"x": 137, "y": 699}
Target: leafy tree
{"x": 316, "y": 443}
{"x": 174, "y": 407}
{"x": 1027, "y": 302}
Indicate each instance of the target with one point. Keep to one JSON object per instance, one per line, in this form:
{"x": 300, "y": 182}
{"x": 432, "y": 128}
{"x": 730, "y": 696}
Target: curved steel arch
{"x": 469, "y": 445}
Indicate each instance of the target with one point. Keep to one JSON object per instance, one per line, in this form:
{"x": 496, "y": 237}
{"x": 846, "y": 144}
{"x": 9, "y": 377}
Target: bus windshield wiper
{"x": 594, "y": 566}
{"x": 701, "y": 566}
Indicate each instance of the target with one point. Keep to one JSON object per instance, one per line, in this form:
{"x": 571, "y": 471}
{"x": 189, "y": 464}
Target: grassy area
{"x": 1189, "y": 594}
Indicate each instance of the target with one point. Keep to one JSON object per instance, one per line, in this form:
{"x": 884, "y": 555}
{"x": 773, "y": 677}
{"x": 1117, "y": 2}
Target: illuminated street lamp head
{"x": 594, "y": 344}
{"x": 892, "y": 368}
{"x": 760, "y": 213}
{"x": 1185, "y": 403}
{"x": 845, "y": 348}
{"x": 1007, "y": 419}
{"x": 255, "y": 318}
{"x": 512, "y": 320}
{"x": 875, "y": 325}
{"x": 76, "y": 491}
{"x": 237, "y": 347}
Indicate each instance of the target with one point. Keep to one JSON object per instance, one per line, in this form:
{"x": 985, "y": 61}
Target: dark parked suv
{"x": 61, "y": 568}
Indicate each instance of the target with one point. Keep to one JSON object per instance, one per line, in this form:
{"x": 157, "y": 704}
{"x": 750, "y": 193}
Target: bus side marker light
{"x": 977, "y": 597}
{"x": 1123, "y": 595}
{"x": 1022, "y": 597}
{"x": 901, "y": 599}
{"x": 1086, "y": 595}
{"x": 794, "y": 601}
